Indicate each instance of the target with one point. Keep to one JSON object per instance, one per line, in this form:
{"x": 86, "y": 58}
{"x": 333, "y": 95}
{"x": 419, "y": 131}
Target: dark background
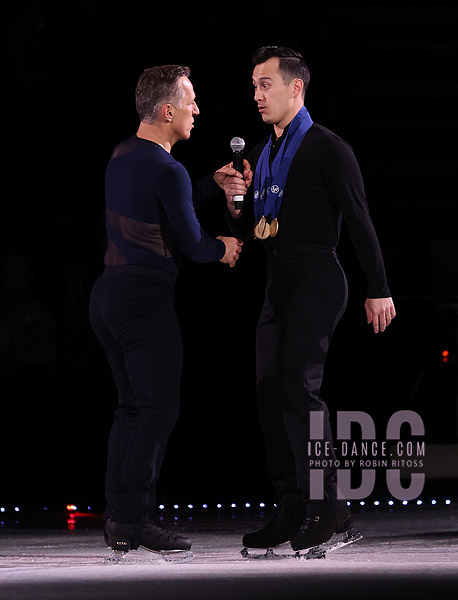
{"x": 383, "y": 76}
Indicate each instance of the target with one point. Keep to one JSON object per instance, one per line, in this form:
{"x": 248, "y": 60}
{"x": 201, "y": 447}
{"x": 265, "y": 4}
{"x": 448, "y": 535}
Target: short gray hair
{"x": 157, "y": 86}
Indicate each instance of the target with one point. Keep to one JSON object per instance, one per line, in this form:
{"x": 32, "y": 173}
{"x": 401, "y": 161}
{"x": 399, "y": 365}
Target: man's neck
{"x": 277, "y": 137}
{"x": 156, "y": 133}
{"x": 280, "y": 127}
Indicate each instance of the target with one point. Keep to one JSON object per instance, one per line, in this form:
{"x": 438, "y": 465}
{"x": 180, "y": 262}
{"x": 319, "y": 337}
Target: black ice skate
{"x": 320, "y": 534}
{"x": 123, "y": 537}
{"x": 274, "y": 538}
{"x": 308, "y": 538}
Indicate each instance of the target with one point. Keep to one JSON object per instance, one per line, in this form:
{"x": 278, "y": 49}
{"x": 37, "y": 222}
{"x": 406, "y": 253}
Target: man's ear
{"x": 167, "y": 112}
{"x": 298, "y": 87}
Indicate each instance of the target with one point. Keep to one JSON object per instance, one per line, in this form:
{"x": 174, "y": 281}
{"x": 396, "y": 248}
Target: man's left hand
{"x": 380, "y": 312}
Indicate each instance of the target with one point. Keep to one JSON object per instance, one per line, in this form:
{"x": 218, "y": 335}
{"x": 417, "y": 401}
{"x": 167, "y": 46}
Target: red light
{"x": 445, "y": 353}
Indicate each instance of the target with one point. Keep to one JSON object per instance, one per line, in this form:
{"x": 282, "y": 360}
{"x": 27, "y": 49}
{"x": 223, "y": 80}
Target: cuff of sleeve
{"x": 381, "y": 292}
{"x": 221, "y": 249}
{"x": 210, "y": 185}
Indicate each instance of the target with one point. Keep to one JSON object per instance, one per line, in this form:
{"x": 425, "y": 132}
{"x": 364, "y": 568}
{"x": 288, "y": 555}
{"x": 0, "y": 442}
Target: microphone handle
{"x": 237, "y": 161}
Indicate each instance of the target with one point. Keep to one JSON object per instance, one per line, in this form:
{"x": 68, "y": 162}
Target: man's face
{"x": 273, "y": 97}
{"x": 185, "y": 111}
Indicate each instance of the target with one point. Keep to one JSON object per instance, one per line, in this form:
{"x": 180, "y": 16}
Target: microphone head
{"x": 237, "y": 144}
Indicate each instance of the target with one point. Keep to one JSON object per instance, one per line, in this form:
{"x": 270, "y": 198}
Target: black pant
{"x": 132, "y": 313}
{"x": 305, "y": 298}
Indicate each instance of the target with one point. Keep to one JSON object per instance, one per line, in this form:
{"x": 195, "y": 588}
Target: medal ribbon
{"x": 269, "y": 180}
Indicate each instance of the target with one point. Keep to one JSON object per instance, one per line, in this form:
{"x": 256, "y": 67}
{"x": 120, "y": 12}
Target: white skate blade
{"x": 338, "y": 540}
{"x": 148, "y": 556}
{"x": 116, "y": 557}
{"x": 282, "y": 551}
{"x": 172, "y": 555}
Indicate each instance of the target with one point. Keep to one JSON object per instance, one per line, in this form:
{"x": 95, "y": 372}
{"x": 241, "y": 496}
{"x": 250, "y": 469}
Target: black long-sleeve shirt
{"x": 324, "y": 185}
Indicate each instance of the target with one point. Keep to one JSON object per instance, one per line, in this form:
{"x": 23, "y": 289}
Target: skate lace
{"x": 309, "y": 522}
{"x": 159, "y": 532}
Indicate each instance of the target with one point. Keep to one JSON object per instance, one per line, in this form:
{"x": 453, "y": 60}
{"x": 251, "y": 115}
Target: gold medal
{"x": 274, "y": 227}
{"x": 262, "y": 229}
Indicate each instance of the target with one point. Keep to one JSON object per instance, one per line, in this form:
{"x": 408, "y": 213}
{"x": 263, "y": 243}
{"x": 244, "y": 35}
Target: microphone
{"x": 237, "y": 146}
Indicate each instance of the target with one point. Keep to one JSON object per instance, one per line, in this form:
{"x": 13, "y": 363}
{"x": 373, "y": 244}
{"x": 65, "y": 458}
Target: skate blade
{"x": 172, "y": 555}
{"x": 268, "y": 553}
{"x": 338, "y": 540}
{"x": 118, "y": 557}
{"x": 150, "y": 556}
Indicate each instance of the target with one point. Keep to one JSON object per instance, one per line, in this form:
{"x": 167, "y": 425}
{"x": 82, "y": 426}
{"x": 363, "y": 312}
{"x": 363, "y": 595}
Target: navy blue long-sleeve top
{"x": 150, "y": 215}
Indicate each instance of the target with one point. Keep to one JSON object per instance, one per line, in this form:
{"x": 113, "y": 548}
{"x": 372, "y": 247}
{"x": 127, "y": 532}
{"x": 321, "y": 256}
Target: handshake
{"x": 233, "y": 184}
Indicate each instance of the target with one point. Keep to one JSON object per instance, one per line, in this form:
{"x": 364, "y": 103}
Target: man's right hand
{"x": 234, "y": 184}
{"x": 233, "y": 249}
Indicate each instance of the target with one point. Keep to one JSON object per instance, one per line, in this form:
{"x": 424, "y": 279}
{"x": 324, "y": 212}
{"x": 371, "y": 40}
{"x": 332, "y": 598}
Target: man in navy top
{"x": 151, "y": 223}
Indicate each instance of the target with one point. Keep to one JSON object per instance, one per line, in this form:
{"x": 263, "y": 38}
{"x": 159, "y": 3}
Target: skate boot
{"x": 123, "y": 537}
{"x": 321, "y": 534}
{"x": 276, "y": 534}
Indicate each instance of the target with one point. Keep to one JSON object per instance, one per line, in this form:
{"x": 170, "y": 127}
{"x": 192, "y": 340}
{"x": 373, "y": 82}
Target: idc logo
{"x": 367, "y": 454}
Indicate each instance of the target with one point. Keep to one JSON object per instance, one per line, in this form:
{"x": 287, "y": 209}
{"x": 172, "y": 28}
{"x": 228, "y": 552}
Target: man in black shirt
{"x": 306, "y": 179}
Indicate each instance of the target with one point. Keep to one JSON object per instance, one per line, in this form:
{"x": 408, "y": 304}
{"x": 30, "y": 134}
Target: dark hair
{"x": 157, "y": 86}
{"x": 291, "y": 63}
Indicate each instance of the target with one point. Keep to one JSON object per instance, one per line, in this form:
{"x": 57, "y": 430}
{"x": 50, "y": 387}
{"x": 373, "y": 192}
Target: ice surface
{"x": 402, "y": 555}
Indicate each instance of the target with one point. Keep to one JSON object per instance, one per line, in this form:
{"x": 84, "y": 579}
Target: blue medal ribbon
{"x": 270, "y": 179}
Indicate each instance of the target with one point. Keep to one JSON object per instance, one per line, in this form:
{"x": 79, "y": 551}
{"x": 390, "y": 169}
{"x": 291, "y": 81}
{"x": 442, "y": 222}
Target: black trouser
{"x": 132, "y": 313}
{"x": 305, "y": 298}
